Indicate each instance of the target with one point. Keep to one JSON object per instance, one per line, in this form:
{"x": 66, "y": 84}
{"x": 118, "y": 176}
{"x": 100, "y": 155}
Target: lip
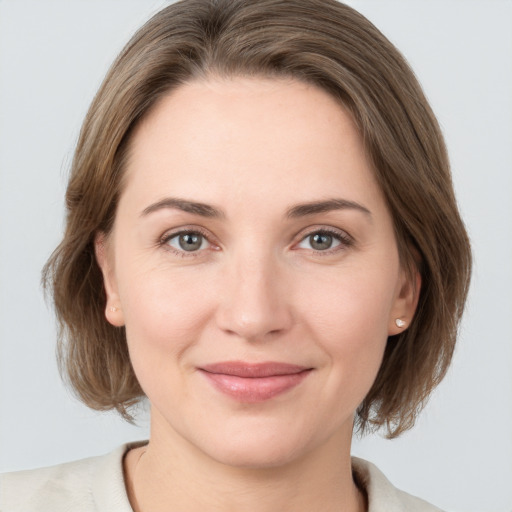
{"x": 254, "y": 382}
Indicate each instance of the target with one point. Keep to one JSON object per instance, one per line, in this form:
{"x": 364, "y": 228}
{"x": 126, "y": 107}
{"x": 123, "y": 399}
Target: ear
{"x": 406, "y": 301}
{"x": 113, "y": 310}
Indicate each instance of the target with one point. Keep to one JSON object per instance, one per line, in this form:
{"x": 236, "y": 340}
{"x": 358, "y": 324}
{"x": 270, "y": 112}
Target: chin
{"x": 252, "y": 453}
{"x": 260, "y": 444}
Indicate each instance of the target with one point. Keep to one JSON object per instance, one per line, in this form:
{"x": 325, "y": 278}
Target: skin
{"x": 256, "y": 290}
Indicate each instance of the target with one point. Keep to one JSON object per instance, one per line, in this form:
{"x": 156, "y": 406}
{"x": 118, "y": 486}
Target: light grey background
{"x": 53, "y": 55}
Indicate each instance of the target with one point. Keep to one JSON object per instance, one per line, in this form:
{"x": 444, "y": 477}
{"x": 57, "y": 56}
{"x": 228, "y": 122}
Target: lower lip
{"x": 255, "y": 389}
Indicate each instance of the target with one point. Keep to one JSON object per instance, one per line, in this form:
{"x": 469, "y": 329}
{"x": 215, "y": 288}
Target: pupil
{"x": 321, "y": 241}
{"x": 190, "y": 241}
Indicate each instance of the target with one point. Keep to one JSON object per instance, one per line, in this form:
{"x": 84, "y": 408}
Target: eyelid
{"x": 163, "y": 240}
{"x": 345, "y": 240}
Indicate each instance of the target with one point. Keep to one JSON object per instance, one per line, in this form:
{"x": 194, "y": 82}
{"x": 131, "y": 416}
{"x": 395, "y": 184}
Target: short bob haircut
{"x": 320, "y": 42}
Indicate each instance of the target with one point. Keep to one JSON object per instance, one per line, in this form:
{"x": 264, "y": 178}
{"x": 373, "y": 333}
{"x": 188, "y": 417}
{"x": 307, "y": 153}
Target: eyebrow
{"x": 298, "y": 210}
{"x": 202, "y": 209}
{"x": 305, "y": 209}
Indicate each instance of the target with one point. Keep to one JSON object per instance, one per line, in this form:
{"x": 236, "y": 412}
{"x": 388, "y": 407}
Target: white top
{"x": 97, "y": 484}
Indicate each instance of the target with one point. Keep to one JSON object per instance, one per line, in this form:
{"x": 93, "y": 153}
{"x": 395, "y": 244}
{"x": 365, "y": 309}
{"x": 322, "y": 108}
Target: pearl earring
{"x": 399, "y": 323}
{"x": 113, "y": 309}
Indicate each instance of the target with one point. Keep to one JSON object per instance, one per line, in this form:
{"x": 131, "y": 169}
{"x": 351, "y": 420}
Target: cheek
{"x": 353, "y": 303}
{"x": 165, "y": 313}
{"x": 348, "y": 315}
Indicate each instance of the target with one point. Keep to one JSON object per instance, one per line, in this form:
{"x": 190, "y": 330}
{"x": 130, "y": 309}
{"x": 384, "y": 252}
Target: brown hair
{"x": 322, "y": 42}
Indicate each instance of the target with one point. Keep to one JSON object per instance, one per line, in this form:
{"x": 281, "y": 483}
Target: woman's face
{"x": 254, "y": 264}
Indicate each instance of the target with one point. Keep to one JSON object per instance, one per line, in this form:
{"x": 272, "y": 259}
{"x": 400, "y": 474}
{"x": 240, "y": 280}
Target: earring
{"x": 399, "y": 323}
{"x": 113, "y": 309}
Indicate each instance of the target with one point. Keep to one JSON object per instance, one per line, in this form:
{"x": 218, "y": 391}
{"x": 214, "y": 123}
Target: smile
{"x": 252, "y": 383}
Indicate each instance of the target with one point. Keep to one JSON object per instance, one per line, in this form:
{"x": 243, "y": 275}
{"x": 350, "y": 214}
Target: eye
{"x": 324, "y": 240}
{"x": 321, "y": 241}
{"x": 188, "y": 241}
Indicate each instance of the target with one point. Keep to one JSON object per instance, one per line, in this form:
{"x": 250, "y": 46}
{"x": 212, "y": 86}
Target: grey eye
{"x": 320, "y": 241}
{"x": 188, "y": 241}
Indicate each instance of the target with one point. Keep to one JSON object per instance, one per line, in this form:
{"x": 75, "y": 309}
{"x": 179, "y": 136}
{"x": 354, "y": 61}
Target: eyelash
{"x": 165, "y": 239}
{"x": 345, "y": 240}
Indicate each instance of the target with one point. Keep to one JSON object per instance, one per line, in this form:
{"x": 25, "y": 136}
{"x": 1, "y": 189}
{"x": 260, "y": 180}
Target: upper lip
{"x": 253, "y": 370}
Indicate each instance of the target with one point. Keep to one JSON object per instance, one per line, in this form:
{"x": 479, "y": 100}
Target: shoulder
{"x": 93, "y": 484}
{"x": 40, "y": 489}
{"x": 382, "y": 495}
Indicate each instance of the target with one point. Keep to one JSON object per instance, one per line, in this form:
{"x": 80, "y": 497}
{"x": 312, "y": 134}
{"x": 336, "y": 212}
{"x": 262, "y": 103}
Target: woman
{"x": 262, "y": 238}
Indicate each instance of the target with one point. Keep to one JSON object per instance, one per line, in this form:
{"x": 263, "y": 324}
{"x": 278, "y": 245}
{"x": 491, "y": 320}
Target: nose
{"x": 254, "y": 301}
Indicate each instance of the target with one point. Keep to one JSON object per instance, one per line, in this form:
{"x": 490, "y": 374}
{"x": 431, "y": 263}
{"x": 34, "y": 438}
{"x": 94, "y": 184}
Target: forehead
{"x": 246, "y": 136}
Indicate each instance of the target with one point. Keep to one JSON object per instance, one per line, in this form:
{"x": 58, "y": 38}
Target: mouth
{"x": 254, "y": 382}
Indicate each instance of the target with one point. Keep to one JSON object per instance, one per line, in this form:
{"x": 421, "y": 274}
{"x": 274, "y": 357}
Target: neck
{"x": 169, "y": 472}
